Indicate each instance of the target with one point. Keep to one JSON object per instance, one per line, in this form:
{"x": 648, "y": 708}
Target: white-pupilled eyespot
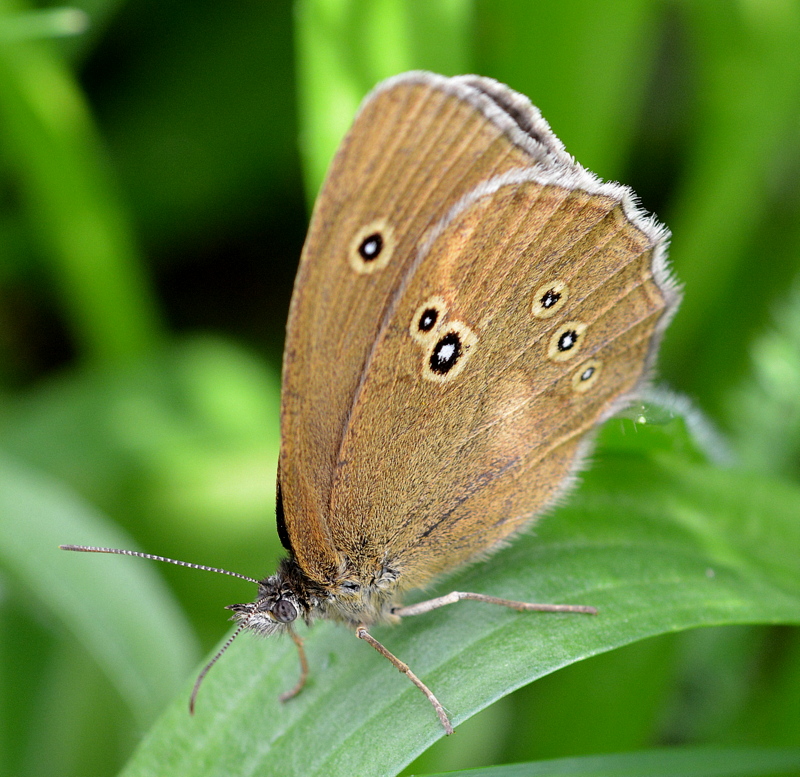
{"x": 586, "y": 375}
{"x": 566, "y": 341}
{"x": 549, "y": 298}
{"x": 428, "y": 319}
{"x": 372, "y": 247}
{"x": 447, "y": 356}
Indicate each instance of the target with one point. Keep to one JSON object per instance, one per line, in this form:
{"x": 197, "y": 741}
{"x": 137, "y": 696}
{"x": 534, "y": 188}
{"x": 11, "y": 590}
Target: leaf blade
{"x": 680, "y": 762}
{"x": 657, "y": 544}
{"x": 124, "y": 616}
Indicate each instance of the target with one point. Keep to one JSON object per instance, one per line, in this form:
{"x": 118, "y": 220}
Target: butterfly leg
{"x": 301, "y": 652}
{"x": 457, "y": 596}
{"x": 362, "y": 633}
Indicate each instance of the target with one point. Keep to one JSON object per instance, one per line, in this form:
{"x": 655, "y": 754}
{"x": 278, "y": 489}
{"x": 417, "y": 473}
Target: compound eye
{"x": 284, "y": 611}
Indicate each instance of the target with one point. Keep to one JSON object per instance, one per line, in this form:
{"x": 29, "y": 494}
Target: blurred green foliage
{"x": 155, "y": 175}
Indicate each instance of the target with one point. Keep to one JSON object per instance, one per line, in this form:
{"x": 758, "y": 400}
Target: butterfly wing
{"x": 469, "y": 304}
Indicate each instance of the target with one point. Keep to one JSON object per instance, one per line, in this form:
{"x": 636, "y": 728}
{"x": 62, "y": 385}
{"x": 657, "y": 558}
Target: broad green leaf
{"x": 700, "y": 762}
{"x": 657, "y": 543}
{"x": 192, "y": 430}
{"x": 122, "y": 614}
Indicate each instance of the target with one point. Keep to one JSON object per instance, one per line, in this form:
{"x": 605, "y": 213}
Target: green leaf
{"x": 656, "y": 543}
{"x": 345, "y": 48}
{"x": 764, "y": 410}
{"x": 49, "y": 23}
{"x": 77, "y": 214}
{"x": 122, "y": 614}
{"x": 586, "y": 69}
{"x": 191, "y": 430}
{"x": 747, "y": 81}
{"x": 701, "y": 762}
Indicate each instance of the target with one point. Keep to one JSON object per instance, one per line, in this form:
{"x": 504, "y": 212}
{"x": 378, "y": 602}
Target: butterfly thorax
{"x": 366, "y": 604}
{"x": 290, "y": 594}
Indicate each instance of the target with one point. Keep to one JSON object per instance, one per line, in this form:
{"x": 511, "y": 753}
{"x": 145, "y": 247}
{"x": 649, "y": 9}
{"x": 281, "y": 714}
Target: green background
{"x": 156, "y": 171}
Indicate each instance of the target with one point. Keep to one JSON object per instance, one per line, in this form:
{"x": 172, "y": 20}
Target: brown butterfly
{"x": 470, "y": 304}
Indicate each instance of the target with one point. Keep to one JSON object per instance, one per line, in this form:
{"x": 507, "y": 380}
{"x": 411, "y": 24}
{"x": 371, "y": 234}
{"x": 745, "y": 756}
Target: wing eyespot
{"x": 428, "y": 319}
{"x": 586, "y": 375}
{"x": 446, "y": 353}
{"x": 549, "y": 299}
{"x": 446, "y": 357}
{"x": 372, "y": 247}
{"x": 566, "y": 341}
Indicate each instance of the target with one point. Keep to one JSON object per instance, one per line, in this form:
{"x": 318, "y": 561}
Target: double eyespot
{"x": 446, "y": 343}
{"x": 565, "y": 343}
{"x": 567, "y": 339}
{"x": 372, "y": 247}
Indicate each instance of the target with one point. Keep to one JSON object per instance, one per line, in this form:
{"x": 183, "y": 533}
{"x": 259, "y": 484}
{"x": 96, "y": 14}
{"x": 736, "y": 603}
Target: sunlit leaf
{"x": 656, "y": 543}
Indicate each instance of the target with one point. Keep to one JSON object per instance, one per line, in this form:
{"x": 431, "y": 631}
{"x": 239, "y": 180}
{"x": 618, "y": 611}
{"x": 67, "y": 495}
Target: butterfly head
{"x": 281, "y": 600}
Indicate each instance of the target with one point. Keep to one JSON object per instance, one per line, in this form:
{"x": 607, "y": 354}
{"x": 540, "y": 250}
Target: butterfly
{"x": 470, "y": 304}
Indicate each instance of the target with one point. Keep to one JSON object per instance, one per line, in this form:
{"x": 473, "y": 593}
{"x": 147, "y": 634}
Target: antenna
{"x": 118, "y": 551}
{"x": 201, "y": 676}
{"x": 239, "y": 628}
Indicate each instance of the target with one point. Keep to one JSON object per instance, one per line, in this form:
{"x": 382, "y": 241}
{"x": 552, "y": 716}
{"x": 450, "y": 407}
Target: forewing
{"x": 413, "y": 150}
